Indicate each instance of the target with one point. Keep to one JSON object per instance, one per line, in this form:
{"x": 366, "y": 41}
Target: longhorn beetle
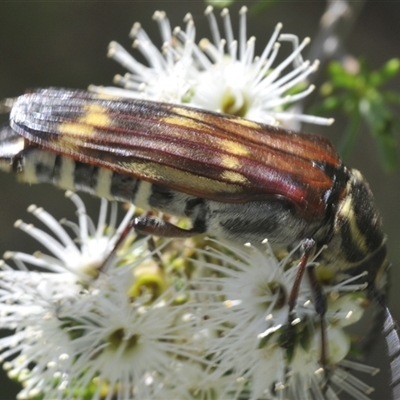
{"x": 236, "y": 179}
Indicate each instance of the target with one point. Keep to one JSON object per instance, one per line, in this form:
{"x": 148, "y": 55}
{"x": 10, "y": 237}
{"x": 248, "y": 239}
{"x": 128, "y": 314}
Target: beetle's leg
{"x": 158, "y": 227}
{"x": 289, "y": 336}
{"x": 153, "y": 226}
{"x": 308, "y": 248}
{"x": 320, "y": 308}
{"x": 151, "y": 245}
{"x": 319, "y": 300}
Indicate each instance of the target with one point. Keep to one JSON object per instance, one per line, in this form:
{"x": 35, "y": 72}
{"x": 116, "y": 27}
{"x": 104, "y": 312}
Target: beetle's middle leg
{"x": 149, "y": 225}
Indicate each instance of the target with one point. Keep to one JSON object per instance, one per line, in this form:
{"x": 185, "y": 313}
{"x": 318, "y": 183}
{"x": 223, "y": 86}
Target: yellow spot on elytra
{"x": 234, "y": 177}
{"x": 191, "y": 119}
{"x": 186, "y": 112}
{"x": 248, "y": 123}
{"x": 232, "y": 147}
{"x": 176, "y": 178}
{"x": 230, "y": 162}
{"x": 186, "y": 123}
{"x": 95, "y": 115}
{"x": 75, "y": 129}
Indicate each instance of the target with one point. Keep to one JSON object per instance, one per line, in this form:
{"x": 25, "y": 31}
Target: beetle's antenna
{"x": 6, "y": 105}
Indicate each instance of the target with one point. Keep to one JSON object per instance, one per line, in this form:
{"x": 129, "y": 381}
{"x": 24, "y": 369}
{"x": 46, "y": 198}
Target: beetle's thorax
{"x": 357, "y": 234}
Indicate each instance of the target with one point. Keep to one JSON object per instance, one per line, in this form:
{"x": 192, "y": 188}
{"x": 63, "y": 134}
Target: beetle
{"x": 236, "y": 179}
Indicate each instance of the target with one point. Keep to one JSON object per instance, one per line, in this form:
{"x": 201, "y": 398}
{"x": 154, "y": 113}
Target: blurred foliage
{"x": 356, "y": 90}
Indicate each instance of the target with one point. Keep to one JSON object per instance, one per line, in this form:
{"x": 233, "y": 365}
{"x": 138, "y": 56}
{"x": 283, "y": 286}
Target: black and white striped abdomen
{"x": 41, "y": 166}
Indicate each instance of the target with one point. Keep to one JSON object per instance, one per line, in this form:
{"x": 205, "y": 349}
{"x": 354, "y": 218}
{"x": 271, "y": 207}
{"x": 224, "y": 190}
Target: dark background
{"x": 64, "y": 44}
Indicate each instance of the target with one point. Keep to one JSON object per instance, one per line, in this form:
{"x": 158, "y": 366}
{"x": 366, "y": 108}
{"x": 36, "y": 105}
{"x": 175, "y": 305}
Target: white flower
{"x": 125, "y": 345}
{"x": 135, "y": 328}
{"x": 222, "y": 75}
{"x": 198, "y": 384}
{"x": 82, "y": 329}
{"x": 247, "y": 308}
{"x": 83, "y": 257}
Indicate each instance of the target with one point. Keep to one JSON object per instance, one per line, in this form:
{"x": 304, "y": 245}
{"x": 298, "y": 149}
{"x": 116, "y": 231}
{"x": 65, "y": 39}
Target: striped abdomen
{"x": 40, "y": 166}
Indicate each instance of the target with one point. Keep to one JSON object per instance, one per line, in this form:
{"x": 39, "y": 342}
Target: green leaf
{"x": 333, "y": 103}
{"x": 389, "y": 70}
{"x": 340, "y": 77}
{"x": 359, "y": 95}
